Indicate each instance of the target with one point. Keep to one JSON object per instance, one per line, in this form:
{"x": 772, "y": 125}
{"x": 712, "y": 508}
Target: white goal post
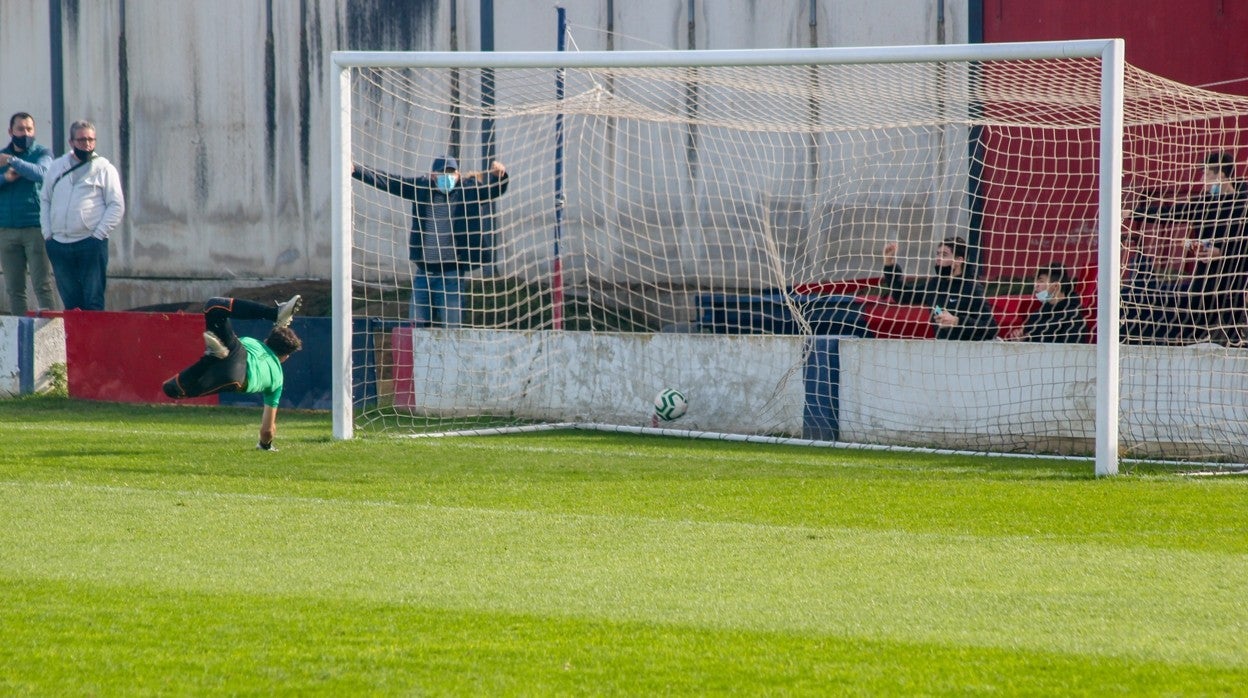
{"x": 712, "y": 221}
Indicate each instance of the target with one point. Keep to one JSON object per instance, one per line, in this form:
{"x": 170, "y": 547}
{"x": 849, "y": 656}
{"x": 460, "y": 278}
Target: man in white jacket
{"x": 80, "y": 204}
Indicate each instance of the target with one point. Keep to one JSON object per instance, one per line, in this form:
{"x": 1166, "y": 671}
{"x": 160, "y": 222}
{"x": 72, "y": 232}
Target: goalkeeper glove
{"x": 265, "y": 447}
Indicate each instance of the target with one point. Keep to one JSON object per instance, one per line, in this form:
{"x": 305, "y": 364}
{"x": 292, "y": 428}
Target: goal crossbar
{"x": 1030, "y": 50}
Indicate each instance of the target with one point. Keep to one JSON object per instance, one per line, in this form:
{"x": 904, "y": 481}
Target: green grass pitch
{"x": 153, "y": 551}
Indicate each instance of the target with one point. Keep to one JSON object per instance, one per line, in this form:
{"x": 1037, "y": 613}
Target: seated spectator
{"x": 1150, "y": 309}
{"x": 1059, "y": 319}
{"x": 958, "y": 307}
{"x": 1216, "y": 218}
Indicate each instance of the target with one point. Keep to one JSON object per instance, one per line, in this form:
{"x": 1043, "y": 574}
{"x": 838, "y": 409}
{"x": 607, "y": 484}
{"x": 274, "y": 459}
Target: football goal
{"x": 996, "y": 248}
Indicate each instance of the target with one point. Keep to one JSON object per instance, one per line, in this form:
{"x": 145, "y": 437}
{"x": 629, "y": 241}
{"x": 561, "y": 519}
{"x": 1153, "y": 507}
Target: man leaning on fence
{"x": 446, "y": 210}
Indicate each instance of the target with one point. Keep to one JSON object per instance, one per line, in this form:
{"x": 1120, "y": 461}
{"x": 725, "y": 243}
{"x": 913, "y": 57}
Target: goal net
{"x": 828, "y": 246}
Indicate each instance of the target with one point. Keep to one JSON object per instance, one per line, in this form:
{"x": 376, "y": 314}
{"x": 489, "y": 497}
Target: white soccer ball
{"x": 670, "y": 404}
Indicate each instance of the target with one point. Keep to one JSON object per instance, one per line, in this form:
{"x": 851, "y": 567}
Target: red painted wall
{"x": 126, "y": 357}
{"x": 1195, "y": 42}
{"x": 1040, "y": 205}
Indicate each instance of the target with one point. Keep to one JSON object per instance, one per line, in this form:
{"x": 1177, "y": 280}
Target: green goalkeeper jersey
{"x": 264, "y": 371}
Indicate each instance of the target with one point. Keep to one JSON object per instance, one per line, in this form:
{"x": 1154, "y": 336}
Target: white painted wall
{"x": 10, "y": 366}
{"x": 49, "y": 349}
{"x": 741, "y": 384}
{"x": 980, "y": 396}
{"x": 986, "y": 395}
{"x": 1174, "y": 401}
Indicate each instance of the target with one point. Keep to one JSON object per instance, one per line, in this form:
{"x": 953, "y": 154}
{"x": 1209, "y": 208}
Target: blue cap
{"x": 444, "y": 163}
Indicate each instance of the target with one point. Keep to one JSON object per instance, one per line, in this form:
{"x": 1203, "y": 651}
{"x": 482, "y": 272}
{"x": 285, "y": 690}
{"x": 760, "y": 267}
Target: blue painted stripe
{"x": 309, "y": 373}
{"x": 821, "y": 416}
{"x": 26, "y": 355}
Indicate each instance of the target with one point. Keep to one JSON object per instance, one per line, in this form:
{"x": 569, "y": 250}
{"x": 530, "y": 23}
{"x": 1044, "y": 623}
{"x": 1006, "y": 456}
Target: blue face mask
{"x": 445, "y": 183}
{"x": 1044, "y": 296}
{"x": 1215, "y": 188}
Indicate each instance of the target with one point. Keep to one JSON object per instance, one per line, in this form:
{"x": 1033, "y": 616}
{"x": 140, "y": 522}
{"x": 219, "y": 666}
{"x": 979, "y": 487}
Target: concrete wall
{"x": 743, "y": 384}
{"x": 217, "y": 113}
{"x": 29, "y": 348}
{"x": 1000, "y": 396}
{"x": 1176, "y": 402}
{"x": 25, "y": 66}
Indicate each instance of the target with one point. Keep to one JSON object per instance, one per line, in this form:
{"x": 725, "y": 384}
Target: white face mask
{"x": 1044, "y": 296}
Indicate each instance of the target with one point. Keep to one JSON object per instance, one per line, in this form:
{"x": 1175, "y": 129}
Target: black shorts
{"x": 211, "y": 375}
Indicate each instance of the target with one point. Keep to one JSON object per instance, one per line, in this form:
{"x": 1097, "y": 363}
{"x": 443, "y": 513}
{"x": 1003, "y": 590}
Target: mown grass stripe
{"x": 1008, "y": 592}
{"x": 138, "y": 641}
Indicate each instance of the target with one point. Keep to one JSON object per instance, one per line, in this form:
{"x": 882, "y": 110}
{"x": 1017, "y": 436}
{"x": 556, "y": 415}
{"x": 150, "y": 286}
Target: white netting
{"x": 711, "y": 229}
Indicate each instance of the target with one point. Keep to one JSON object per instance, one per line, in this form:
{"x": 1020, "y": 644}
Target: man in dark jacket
{"x": 1217, "y": 219}
{"x": 1059, "y": 319}
{"x": 446, "y": 213}
{"x": 957, "y": 304}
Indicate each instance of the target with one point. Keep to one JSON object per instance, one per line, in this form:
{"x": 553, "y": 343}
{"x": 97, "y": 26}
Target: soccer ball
{"x": 670, "y": 404}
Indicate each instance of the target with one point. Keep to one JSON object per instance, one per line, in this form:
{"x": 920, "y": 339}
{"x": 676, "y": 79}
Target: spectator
{"x": 1059, "y": 319}
{"x": 80, "y": 205}
{"x": 445, "y": 210}
{"x": 23, "y": 163}
{"x": 1216, "y": 218}
{"x": 1150, "y": 313}
{"x": 957, "y": 304}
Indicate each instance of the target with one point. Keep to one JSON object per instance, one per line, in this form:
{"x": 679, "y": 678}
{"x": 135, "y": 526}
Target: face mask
{"x": 945, "y": 270}
{"x": 22, "y": 142}
{"x": 83, "y": 154}
{"x": 446, "y": 183}
{"x": 1215, "y": 188}
{"x": 1044, "y": 296}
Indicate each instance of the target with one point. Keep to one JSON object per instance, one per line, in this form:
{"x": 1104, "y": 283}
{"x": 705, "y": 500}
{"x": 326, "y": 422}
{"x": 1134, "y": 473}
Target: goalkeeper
{"x": 233, "y": 364}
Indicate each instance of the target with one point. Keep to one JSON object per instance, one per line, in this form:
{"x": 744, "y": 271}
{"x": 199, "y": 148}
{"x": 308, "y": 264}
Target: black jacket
{"x": 467, "y": 200}
{"x": 1217, "y": 220}
{"x": 1220, "y": 220}
{"x": 1060, "y": 322}
{"x": 959, "y": 295}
